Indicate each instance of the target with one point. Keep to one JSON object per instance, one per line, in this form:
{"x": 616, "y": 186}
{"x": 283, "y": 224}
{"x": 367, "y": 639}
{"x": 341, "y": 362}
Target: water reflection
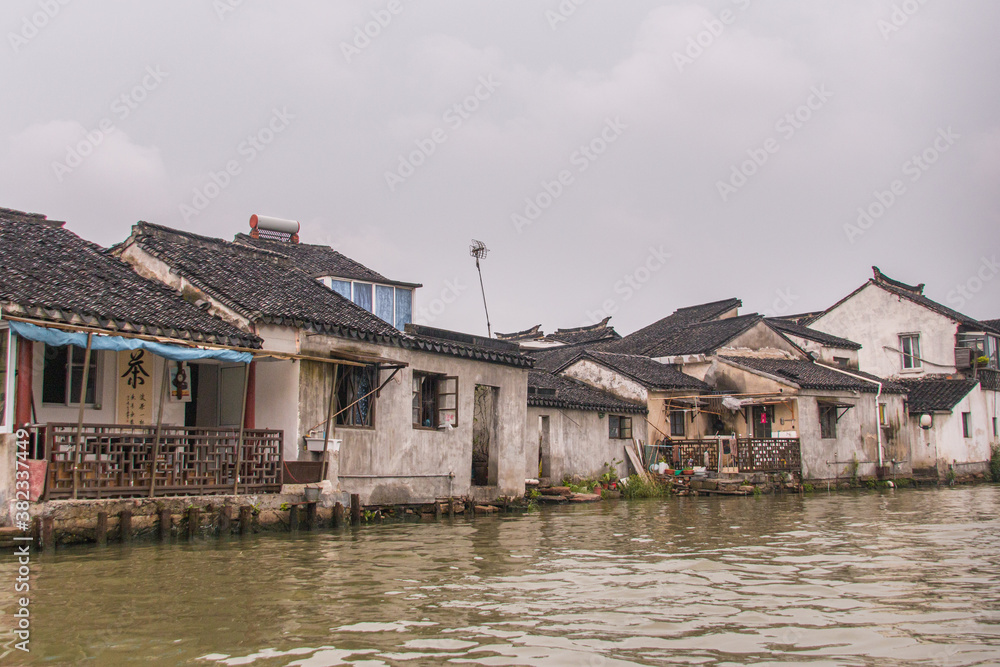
{"x": 906, "y": 577}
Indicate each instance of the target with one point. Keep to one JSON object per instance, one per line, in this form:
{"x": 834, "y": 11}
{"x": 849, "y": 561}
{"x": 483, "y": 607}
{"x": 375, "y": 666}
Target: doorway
{"x": 762, "y": 418}
{"x": 484, "y": 427}
{"x": 544, "y": 448}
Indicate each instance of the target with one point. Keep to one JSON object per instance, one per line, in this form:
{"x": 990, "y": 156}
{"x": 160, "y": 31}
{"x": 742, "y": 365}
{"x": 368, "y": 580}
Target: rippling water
{"x": 887, "y": 578}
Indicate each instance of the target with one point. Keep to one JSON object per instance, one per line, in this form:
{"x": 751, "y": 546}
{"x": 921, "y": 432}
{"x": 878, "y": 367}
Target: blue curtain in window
{"x": 404, "y": 307}
{"x": 341, "y": 287}
{"x": 363, "y": 295}
{"x": 383, "y": 303}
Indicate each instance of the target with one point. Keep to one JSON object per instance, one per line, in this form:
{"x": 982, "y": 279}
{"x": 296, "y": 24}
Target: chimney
{"x": 274, "y": 229}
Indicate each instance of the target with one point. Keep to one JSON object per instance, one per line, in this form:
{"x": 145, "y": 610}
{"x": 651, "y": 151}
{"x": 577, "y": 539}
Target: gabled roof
{"x": 534, "y": 333}
{"x": 555, "y": 391}
{"x": 266, "y": 286}
{"x": 936, "y": 393}
{"x": 647, "y": 372}
{"x": 643, "y": 340}
{"x": 594, "y": 333}
{"x": 913, "y": 293}
{"x": 554, "y": 358}
{"x": 992, "y": 324}
{"x": 50, "y": 273}
{"x": 810, "y": 375}
{"x": 794, "y": 329}
{"x": 320, "y": 260}
{"x": 703, "y": 338}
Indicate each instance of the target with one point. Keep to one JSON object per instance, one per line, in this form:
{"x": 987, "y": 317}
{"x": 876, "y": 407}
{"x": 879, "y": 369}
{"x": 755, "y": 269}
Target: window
{"x": 619, "y": 428}
{"x": 994, "y": 427}
{"x": 341, "y": 287}
{"x": 828, "y": 421}
{"x": 62, "y": 368}
{"x": 966, "y": 424}
{"x": 435, "y": 400}
{"x": 404, "y": 307}
{"x": 363, "y": 295}
{"x": 384, "y": 305}
{"x": 355, "y": 397}
{"x": 677, "y": 423}
{"x": 910, "y": 346}
{"x": 843, "y": 362}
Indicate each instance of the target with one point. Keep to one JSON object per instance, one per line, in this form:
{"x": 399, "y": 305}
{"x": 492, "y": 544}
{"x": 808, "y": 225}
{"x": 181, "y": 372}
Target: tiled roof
{"x": 794, "y": 329}
{"x": 936, "y": 394}
{"x": 555, "y": 391}
{"x": 49, "y": 273}
{"x": 553, "y": 359}
{"x": 647, "y": 372}
{"x": 992, "y": 324}
{"x": 643, "y": 340}
{"x": 703, "y": 338}
{"x": 319, "y": 260}
{"x": 594, "y": 333}
{"x": 915, "y": 294}
{"x": 810, "y": 375}
{"x": 268, "y": 286}
{"x": 534, "y": 333}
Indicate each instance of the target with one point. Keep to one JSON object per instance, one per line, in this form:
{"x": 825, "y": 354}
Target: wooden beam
{"x": 83, "y": 405}
{"x": 24, "y": 371}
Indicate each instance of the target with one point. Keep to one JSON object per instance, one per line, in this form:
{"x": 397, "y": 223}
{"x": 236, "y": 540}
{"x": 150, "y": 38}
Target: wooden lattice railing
{"x": 753, "y": 454}
{"x": 116, "y": 461}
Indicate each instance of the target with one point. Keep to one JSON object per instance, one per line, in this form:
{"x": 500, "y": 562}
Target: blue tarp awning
{"x": 59, "y": 338}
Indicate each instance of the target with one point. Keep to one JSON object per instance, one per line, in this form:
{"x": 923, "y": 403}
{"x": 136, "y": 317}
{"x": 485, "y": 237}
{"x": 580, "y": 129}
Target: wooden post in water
{"x": 437, "y": 510}
{"x": 225, "y": 520}
{"x": 355, "y": 509}
{"x": 451, "y": 508}
{"x": 338, "y": 515}
{"x": 101, "y": 532}
{"x": 166, "y": 523}
{"x": 293, "y": 518}
{"x": 194, "y": 522}
{"x": 311, "y": 516}
{"x": 125, "y": 526}
{"x": 246, "y": 520}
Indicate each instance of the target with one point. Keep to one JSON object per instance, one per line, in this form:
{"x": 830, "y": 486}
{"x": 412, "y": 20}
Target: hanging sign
{"x": 135, "y": 387}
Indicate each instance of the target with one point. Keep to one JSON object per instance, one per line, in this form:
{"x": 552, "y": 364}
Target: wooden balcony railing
{"x": 117, "y": 461}
{"x": 752, "y": 454}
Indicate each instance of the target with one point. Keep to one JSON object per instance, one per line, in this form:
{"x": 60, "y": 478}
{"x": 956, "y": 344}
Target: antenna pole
{"x": 479, "y": 250}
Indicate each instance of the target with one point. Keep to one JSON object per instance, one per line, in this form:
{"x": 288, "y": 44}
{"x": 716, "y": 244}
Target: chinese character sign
{"x": 135, "y": 387}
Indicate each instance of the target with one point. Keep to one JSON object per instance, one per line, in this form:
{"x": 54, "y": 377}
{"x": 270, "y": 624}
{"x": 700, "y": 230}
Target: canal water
{"x": 906, "y": 577}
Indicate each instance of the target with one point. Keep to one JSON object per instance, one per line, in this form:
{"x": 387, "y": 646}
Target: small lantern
{"x": 926, "y": 421}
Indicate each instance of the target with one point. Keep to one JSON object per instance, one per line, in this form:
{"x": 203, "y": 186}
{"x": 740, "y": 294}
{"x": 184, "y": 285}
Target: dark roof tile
{"x": 645, "y": 339}
{"x": 647, "y": 372}
{"x": 810, "y": 375}
{"x": 555, "y": 391}
{"x": 936, "y": 394}
{"x": 794, "y": 329}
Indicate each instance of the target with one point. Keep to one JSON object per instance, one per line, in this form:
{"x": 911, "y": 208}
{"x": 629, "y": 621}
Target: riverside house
{"x": 394, "y": 412}
{"x": 947, "y": 360}
{"x": 96, "y": 366}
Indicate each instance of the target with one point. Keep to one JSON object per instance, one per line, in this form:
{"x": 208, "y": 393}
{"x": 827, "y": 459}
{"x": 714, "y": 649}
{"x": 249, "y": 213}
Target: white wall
{"x": 579, "y": 443}
{"x": 874, "y": 318}
{"x": 605, "y": 379}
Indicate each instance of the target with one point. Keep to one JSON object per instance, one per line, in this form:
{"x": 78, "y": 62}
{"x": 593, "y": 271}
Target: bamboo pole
{"x": 329, "y": 418}
{"x": 164, "y": 387}
{"x": 83, "y": 405}
{"x": 239, "y": 441}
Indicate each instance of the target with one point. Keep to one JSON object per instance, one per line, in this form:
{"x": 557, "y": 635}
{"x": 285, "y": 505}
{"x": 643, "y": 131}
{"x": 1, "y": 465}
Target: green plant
{"x": 757, "y": 491}
{"x": 904, "y": 483}
{"x": 995, "y": 464}
{"x": 852, "y": 470}
{"x": 370, "y": 515}
{"x": 807, "y": 487}
{"x": 950, "y": 477}
{"x": 610, "y": 473}
{"x": 533, "y": 494}
{"x": 639, "y": 487}
{"x": 871, "y": 484}
{"x": 284, "y": 507}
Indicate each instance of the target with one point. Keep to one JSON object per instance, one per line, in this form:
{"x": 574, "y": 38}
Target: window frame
{"x": 966, "y": 424}
{"x": 341, "y": 419}
{"x": 438, "y": 409}
{"x": 828, "y": 429}
{"x": 679, "y": 416}
{"x": 914, "y": 357}
{"x": 617, "y": 428}
{"x": 95, "y": 376}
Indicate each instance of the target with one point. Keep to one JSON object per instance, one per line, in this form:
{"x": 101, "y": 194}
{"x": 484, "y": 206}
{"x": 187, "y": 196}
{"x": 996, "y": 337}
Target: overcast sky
{"x": 677, "y": 152}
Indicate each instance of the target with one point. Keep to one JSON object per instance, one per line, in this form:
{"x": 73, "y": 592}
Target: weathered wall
{"x": 8, "y": 467}
{"x": 277, "y": 389}
{"x": 659, "y": 421}
{"x": 579, "y": 443}
{"x": 825, "y": 353}
{"x": 760, "y": 337}
{"x": 944, "y": 444}
{"x": 394, "y": 447}
{"x": 857, "y": 437}
{"x": 853, "y": 320}
{"x": 605, "y": 379}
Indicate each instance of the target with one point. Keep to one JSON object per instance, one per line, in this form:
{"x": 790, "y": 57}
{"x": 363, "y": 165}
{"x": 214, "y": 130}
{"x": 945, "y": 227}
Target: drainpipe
{"x": 878, "y": 395}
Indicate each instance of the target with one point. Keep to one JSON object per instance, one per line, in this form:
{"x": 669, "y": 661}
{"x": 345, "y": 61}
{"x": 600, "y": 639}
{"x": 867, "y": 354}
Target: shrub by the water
{"x": 638, "y": 487}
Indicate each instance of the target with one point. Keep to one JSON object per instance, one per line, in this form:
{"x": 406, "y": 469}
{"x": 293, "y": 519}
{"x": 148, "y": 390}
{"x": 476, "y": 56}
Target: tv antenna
{"x": 479, "y": 250}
